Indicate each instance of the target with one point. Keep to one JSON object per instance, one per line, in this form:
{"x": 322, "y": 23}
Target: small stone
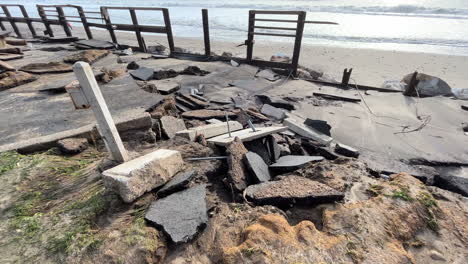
{"x": 165, "y": 74}
{"x": 178, "y": 183}
{"x": 180, "y": 215}
{"x": 133, "y": 65}
{"x": 437, "y": 256}
{"x": 226, "y": 54}
{"x": 171, "y": 125}
{"x": 273, "y": 112}
{"x": 346, "y": 150}
{"x": 72, "y": 145}
{"x": 257, "y": 167}
{"x": 292, "y": 163}
{"x": 238, "y": 172}
{"x": 292, "y": 190}
{"x": 143, "y": 74}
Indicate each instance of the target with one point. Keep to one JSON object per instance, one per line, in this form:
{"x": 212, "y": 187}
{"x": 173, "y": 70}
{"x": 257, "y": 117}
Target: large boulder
{"x": 429, "y": 85}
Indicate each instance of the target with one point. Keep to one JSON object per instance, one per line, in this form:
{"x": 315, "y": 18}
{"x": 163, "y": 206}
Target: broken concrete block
{"x": 259, "y": 147}
{"x": 171, "y": 125}
{"x": 51, "y": 67}
{"x": 319, "y": 125}
{"x": 273, "y": 112}
{"x": 180, "y": 215}
{"x": 89, "y": 56}
{"x": 346, "y": 150}
{"x": 209, "y": 131}
{"x": 143, "y": 74}
{"x": 178, "y": 183}
{"x": 292, "y": 190}
{"x": 293, "y": 162}
{"x": 301, "y": 129}
{"x": 257, "y": 167}
{"x": 245, "y": 135}
{"x": 207, "y": 114}
{"x": 238, "y": 172}
{"x": 166, "y": 86}
{"x": 72, "y": 145}
{"x": 94, "y": 43}
{"x": 138, "y": 176}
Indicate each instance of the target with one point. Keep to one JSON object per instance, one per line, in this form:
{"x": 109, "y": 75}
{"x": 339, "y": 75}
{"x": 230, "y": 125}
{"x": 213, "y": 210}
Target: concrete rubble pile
{"x": 203, "y": 121}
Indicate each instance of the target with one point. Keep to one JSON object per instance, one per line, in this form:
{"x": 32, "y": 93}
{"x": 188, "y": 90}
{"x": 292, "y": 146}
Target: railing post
{"x": 250, "y": 36}
{"x": 167, "y": 22}
{"x": 206, "y": 32}
{"x": 12, "y": 22}
{"x": 297, "y": 44}
{"x": 106, "y": 125}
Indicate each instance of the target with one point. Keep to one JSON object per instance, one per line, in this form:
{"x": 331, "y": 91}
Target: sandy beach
{"x": 370, "y": 66}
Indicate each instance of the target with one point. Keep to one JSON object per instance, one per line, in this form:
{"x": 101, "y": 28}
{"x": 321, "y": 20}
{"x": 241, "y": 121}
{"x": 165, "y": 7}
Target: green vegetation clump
{"x": 430, "y": 204}
{"x": 403, "y": 193}
{"x": 9, "y": 160}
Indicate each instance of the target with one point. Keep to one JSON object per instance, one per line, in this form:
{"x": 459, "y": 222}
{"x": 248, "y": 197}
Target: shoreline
{"x": 370, "y": 66}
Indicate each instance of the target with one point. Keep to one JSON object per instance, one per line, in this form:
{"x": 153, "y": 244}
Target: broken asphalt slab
{"x": 319, "y": 125}
{"x": 346, "y": 150}
{"x": 291, "y": 190}
{"x": 93, "y": 43}
{"x": 179, "y": 182}
{"x": 181, "y": 215}
{"x": 293, "y": 162}
{"x": 207, "y": 114}
{"x": 257, "y": 167}
{"x": 452, "y": 183}
{"x": 135, "y": 177}
{"x": 298, "y": 127}
{"x": 143, "y": 74}
{"x": 51, "y": 67}
{"x": 273, "y": 112}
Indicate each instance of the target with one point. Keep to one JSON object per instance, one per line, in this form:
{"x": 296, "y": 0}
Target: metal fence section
{"x": 297, "y": 35}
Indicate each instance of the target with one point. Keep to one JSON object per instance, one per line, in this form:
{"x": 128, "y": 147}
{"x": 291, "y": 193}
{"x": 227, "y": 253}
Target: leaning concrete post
{"x": 106, "y": 125}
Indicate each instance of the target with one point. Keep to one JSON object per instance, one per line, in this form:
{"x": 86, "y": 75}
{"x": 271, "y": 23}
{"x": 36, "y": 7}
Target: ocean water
{"x": 434, "y": 26}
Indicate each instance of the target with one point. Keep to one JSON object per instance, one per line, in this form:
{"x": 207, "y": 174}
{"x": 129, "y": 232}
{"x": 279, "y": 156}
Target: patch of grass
{"x": 403, "y": 194}
{"x": 248, "y": 252}
{"x": 79, "y": 237}
{"x": 26, "y": 215}
{"x": 426, "y": 199}
{"x": 9, "y": 160}
{"x": 353, "y": 252}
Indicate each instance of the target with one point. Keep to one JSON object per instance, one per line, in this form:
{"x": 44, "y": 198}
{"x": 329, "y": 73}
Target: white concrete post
{"x": 106, "y": 125}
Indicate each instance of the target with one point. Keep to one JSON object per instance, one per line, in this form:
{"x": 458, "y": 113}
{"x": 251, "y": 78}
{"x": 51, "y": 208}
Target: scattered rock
{"x": 207, "y": 114}
{"x": 257, "y": 167}
{"x": 135, "y": 177}
{"x": 268, "y": 75}
{"x": 12, "y": 79}
{"x": 299, "y": 128}
{"x": 279, "y": 103}
{"x": 158, "y": 49}
{"x": 226, "y": 54}
{"x": 194, "y": 70}
{"x": 452, "y": 183}
{"x": 346, "y": 150}
{"x": 273, "y": 112}
{"x": 319, "y": 125}
{"x": 89, "y": 56}
{"x": 292, "y": 162}
{"x": 280, "y": 58}
{"x": 258, "y": 146}
{"x": 284, "y": 150}
{"x": 143, "y": 74}
{"x": 165, "y": 74}
{"x": 324, "y": 151}
{"x": 72, "y": 145}
{"x": 133, "y": 66}
{"x": 214, "y": 121}
{"x": 51, "y": 67}
{"x": 437, "y": 256}
{"x": 178, "y": 183}
{"x": 180, "y": 215}
{"x": 464, "y": 107}
{"x": 171, "y": 125}
{"x": 292, "y": 190}
{"x": 238, "y": 172}
{"x": 109, "y": 74}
